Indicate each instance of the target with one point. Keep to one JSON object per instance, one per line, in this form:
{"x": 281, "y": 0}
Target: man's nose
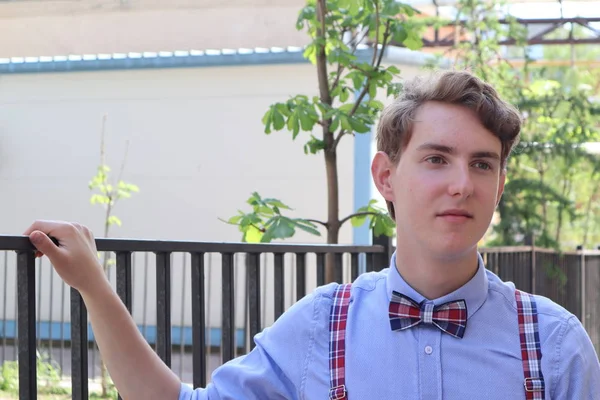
{"x": 461, "y": 182}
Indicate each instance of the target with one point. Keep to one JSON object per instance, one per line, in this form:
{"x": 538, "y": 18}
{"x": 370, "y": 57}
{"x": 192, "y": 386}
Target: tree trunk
{"x": 333, "y": 217}
{"x": 333, "y": 209}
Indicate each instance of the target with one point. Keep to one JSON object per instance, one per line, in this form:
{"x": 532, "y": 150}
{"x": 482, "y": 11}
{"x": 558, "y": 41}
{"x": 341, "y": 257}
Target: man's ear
{"x": 501, "y": 183}
{"x": 382, "y": 169}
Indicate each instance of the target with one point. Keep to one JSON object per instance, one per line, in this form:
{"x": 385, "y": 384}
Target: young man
{"x": 435, "y": 325}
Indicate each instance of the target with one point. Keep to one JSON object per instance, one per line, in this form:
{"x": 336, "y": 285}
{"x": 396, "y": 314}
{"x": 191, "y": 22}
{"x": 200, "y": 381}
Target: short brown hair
{"x": 453, "y": 87}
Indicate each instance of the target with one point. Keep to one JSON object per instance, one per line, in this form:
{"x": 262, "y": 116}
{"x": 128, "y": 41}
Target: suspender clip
{"x": 338, "y": 393}
{"x": 534, "y": 385}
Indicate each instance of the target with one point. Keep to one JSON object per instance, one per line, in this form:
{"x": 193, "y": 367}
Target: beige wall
{"x": 197, "y": 152}
{"x": 35, "y": 28}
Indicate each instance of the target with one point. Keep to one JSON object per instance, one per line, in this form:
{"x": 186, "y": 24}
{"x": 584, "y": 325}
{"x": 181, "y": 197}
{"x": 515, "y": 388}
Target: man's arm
{"x": 137, "y": 371}
{"x": 577, "y": 370}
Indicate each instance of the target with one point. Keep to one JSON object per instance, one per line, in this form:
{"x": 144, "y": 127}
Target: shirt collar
{"x": 474, "y": 292}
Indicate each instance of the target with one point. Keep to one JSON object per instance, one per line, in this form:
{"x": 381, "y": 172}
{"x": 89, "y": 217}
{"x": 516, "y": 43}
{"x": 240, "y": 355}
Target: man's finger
{"x": 44, "y": 244}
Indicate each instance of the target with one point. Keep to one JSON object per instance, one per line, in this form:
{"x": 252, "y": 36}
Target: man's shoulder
{"x": 365, "y": 283}
{"x": 548, "y": 311}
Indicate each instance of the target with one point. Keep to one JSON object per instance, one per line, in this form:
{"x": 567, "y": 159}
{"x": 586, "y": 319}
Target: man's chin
{"x": 453, "y": 250}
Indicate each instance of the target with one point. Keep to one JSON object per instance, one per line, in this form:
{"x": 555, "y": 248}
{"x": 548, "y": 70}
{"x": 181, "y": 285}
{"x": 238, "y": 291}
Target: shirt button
{"x": 428, "y": 350}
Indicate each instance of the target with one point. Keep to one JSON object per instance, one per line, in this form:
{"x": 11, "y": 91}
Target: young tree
{"x": 559, "y": 118}
{"x": 107, "y": 194}
{"x": 337, "y": 28}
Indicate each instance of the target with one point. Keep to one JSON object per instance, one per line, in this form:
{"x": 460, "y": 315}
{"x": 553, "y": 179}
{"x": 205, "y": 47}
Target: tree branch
{"x": 376, "y": 32}
{"x": 324, "y": 92}
{"x": 365, "y": 88}
{"x": 323, "y": 77}
{"x": 315, "y": 221}
{"x": 359, "y": 214}
{"x": 386, "y": 41}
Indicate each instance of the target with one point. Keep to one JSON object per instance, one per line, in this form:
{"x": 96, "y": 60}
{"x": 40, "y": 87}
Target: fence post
{"x": 530, "y": 241}
{"x": 382, "y": 260}
{"x": 583, "y": 294}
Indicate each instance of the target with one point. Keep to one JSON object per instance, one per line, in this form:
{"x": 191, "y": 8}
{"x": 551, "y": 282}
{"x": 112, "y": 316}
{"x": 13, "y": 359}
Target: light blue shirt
{"x": 291, "y": 358}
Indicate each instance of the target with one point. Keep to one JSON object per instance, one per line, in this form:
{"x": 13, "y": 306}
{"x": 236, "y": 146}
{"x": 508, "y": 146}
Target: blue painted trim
{"x": 52, "y": 330}
{"x": 168, "y": 59}
{"x": 362, "y": 187}
{"x": 362, "y": 182}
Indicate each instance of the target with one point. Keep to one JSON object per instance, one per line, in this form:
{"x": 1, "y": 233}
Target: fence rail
{"x": 200, "y": 304}
{"x": 308, "y": 265}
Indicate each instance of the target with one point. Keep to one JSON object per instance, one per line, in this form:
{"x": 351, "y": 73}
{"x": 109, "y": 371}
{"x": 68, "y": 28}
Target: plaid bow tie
{"x": 450, "y": 317}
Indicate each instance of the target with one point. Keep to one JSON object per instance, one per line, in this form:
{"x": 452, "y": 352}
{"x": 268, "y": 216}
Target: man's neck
{"x": 435, "y": 277}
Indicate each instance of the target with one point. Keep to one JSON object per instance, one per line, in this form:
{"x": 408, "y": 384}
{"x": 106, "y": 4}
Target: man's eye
{"x": 435, "y": 160}
{"x": 483, "y": 165}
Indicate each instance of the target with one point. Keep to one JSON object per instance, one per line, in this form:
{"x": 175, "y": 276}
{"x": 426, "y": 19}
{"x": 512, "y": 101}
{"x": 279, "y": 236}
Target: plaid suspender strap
{"x": 337, "y": 342}
{"x": 531, "y": 351}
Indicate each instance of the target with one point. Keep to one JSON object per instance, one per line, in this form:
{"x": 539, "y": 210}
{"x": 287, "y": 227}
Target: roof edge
{"x": 186, "y": 59}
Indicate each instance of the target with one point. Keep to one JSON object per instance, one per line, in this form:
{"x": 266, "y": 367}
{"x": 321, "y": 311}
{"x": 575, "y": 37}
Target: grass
{"x": 49, "y": 396}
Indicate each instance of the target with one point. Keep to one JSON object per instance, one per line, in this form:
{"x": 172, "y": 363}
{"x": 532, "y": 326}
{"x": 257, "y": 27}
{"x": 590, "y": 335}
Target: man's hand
{"x": 135, "y": 368}
{"x": 75, "y": 258}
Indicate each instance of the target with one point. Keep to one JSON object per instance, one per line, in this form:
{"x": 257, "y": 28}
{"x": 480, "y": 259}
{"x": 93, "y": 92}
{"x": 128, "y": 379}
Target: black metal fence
{"x": 244, "y": 298}
{"x": 571, "y": 279}
{"x": 199, "y": 304}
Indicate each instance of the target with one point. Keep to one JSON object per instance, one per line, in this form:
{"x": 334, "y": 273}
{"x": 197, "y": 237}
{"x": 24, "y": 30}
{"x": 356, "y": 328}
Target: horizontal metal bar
{"x": 161, "y": 246}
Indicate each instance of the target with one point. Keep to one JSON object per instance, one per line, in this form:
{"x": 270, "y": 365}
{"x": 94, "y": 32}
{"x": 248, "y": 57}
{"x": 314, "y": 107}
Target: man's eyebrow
{"x": 486, "y": 154}
{"x": 437, "y": 147}
{"x": 451, "y": 150}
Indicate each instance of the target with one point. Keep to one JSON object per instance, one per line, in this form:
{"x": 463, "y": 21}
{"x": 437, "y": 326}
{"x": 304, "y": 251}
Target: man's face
{"x": 447, "y": 183}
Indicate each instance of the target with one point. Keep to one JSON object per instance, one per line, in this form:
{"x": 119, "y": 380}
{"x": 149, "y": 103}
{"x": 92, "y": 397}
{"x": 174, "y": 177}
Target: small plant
{"x": 107, "y": 194}
{"x": 9, "y": 377}
{"x": 48, "y": 376}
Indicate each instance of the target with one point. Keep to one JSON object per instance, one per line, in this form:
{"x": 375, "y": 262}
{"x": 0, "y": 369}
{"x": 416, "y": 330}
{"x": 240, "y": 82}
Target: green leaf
{"x": 295, "y": 125}
{"x": 357, "y": 79}
{"x": 267, "y": 120}
{"x": 345, "y": 123}
{"x": 359, "y": 126}
{"x": 252, "y": 235}
{"x": 335, "y": 123}
{"x": 373, "y": 89}
{"x": 278, "y": 121}
{"x": 113, "y": 220}
{"x": 310, "y": 53}
{"x": 346, "y": 108}
{"x": 413, "y": 43}
{"x": 358, "y": 221}
{"x": 99, "y": 199}
{"x": 394, "y": 70}
{"x": 235, "y": 219}
{"x": 307, "y": 227}
{"x": 314, "y": 145}
{"x": 306, "y": 122}
{"x": 276, "y": 203}
{"x": 345, "y": 4}
{"x": 344, "y": 95}
{"x": 281, "y": 228}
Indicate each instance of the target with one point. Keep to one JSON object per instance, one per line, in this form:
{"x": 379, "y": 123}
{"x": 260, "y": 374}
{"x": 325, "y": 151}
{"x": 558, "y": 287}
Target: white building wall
{"x": 197, "y": 151}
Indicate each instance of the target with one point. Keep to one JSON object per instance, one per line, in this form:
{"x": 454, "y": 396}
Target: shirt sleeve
{"x": 577, "y": 372}
{"x": 276, "y": 368}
